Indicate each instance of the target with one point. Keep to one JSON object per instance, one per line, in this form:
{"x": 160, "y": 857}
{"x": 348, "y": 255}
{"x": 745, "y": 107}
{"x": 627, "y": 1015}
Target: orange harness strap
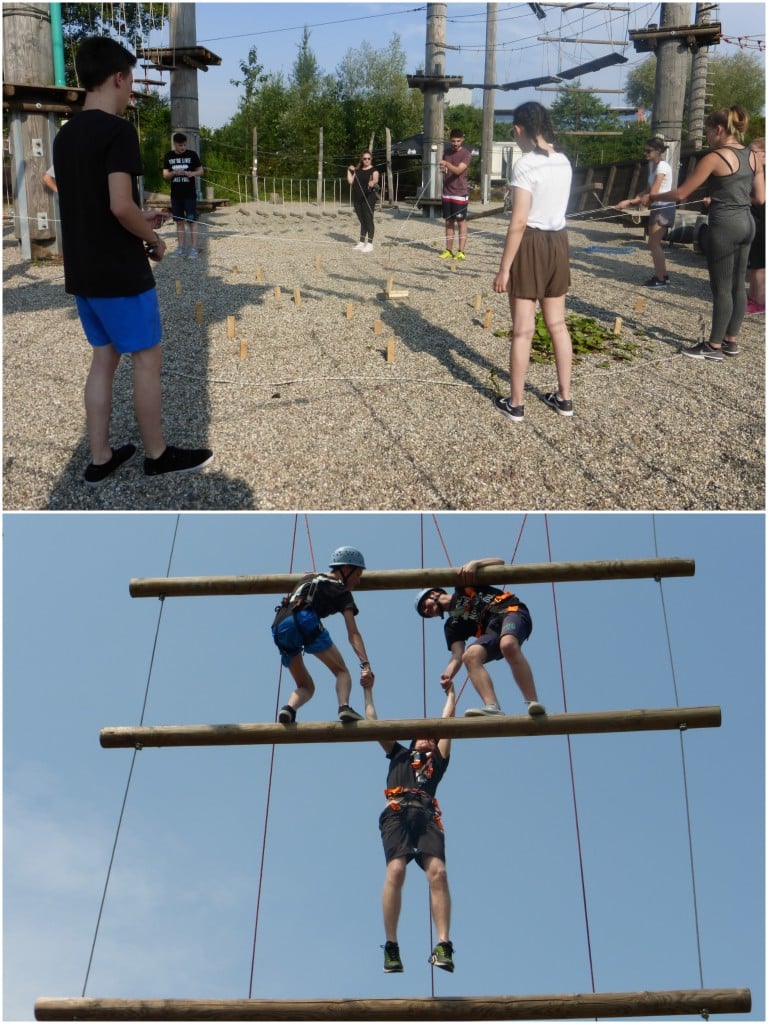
{"x": 394, "y": 798}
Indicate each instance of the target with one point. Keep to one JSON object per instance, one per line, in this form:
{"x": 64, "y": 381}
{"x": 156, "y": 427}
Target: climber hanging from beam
{"x": 484, "y": 624}
{"x": 298, "y": 629}
{"x": 411, "y": 829}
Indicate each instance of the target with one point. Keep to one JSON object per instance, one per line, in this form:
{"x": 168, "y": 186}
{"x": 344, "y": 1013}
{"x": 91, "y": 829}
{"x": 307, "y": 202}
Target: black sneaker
{"x": 704, "y": 351}
{"x": 392, "y": 962}
{"x": 562, "y": 405}
{"x": 512, "y": 412}
{"x": 654, "y": 282}
{"x": 286, "y": 715}
{"x": 347, "y": 714}
{"x": 178, "y": 460}
{"x": 95, "y": 476}
{"x": 730, "y": 348}
{"x": 442, "y": 956}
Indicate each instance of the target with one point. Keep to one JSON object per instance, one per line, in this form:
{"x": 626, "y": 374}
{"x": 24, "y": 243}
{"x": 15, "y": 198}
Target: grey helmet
{"x": 423, "y": 595}
{"x": 346, "y": 556}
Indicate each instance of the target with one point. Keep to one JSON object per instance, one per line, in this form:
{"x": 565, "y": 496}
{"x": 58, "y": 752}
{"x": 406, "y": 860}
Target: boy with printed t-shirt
{"x": 483, "y": 624}
{"x": 107, "y": 241}
{"x": 181, "y": 166}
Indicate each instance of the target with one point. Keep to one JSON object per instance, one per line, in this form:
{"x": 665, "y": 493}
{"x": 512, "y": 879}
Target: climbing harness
{"x": 399, "y": 797}
{"x": 300, "y": 599}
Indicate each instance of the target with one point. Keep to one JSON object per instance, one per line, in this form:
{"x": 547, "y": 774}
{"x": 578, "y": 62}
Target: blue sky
{"x": 230, "y": 30}
{"x": 180, "y": 910}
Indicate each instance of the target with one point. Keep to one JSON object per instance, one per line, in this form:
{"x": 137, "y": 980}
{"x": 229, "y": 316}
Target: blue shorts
{"x": 301, "y": 632}
{"x": 455, "y": 207}
{"x": 517, "y": 624}
{"x": 128, "y": 324}
{"x": 184, "y": 209}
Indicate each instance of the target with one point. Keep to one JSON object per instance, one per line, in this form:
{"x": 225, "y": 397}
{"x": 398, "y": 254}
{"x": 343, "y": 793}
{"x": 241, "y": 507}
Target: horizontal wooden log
{"x": 403, "y": 579}
{"x": 557, "y": 1007}
{"x": 255, "y": 733}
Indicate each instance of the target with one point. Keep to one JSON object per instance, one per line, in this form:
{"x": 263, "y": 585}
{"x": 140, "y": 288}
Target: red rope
{"x": 570, "y": 764}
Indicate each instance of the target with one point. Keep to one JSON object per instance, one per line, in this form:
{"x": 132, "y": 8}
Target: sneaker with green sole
{"x": 392, "y": 962}
{"x": 442, "y": 956}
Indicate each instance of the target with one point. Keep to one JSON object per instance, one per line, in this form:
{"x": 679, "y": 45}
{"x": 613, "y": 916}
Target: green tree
{"x": 469, "y": 119}
{"x": 577, "y": 111}
{"x": 738, "y": 78}
{"x": 129, "y": 23}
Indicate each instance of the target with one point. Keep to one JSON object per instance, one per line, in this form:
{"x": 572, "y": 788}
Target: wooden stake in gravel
{"x": 617, "y": 324}
{"x": 378, "y": 326}
{"x": 390, "y": 350}
{"x": 318, "y": 262}
{"x": 230, "y": 327}
{"x": 640, "y": 305}
{"x": 199, "y": 312}
{"x": 259, "y": 279}
{"x": 243, "y": 348}
{"x": 478, "y": 301}
{"x": 178, "y": 287}
{"x": 487, "y": 319}
{"x": 278, "y": 293}
{"x": 350, "y": 311}
{"x": 296, "y": 297}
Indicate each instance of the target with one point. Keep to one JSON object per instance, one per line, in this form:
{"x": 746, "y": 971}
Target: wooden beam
{"x": 254, "y": 733}
{"x": 556, "y": 1007}
{"x": 403, "y": 579}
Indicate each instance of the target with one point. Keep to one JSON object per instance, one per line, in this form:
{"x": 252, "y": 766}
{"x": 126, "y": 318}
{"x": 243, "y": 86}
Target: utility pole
{"x": 185, "y": 115}
{"x": 671, "y": 76}
{"x": 434, "y": 100}
{"x": 486, "y": 148}
{"x": 697, "y": 105}
{"x": 28, "y": 62}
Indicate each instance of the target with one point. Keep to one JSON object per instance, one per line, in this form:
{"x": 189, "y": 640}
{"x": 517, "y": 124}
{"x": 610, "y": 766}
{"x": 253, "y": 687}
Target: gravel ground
{"x": 313, "y": 416}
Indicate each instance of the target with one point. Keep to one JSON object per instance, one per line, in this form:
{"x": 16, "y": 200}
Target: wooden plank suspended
{"x": 403, "y": 579}
{"x": 254, "y": 733}
{"x": 556, "y": 1007}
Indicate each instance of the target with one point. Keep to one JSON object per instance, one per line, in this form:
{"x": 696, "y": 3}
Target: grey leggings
{"x": 727, "y": 249}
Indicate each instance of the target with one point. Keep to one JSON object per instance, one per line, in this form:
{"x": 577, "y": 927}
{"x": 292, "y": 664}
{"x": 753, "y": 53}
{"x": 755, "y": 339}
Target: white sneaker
{"x": 194, "y": 253}
{"x": 486, "y": 709}
{"x": 179, "y": 251}
{"x": 368, "y": 247}
{"x": 360, "y": 246}
{"x": 534, "y": 708}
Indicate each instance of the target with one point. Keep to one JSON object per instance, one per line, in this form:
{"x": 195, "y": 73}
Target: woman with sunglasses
{"x": 662, "y": 216}
{"x": 364, "y": 181}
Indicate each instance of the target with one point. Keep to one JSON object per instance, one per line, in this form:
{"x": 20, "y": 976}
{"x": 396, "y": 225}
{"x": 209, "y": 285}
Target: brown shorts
{"x": 541, "y": 269}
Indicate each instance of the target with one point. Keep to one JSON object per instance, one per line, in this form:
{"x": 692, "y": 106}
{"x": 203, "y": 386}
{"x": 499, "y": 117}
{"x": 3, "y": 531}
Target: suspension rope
{"x": 683, "y": 765}
{"x": 571, "y": 770}
{"x": 130, "y": 771}
{"x": 270, "y": 777}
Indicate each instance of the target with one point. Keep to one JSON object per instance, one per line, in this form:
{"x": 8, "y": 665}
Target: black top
{"x": 101, "y": 258}
{"x": 330, "y": 596}
{"x": 468, "y": 612}
{"x": 414, "y": 770}
{"x": 360, "y": 191}
{"x": 181, "y": 187}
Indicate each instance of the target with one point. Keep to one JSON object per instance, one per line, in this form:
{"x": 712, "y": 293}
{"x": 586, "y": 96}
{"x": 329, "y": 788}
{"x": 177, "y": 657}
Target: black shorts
{"x": 412, "y": 832}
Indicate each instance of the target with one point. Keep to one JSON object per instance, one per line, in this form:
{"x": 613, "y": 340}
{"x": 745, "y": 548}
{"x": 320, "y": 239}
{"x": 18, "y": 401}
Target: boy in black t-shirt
{"x": 411, "y": 829}
{"x": 298, "y": 629}
{"x": 181, "y": 166}
{"x": 107, "y": 241}
{"x": 483, "y": 624}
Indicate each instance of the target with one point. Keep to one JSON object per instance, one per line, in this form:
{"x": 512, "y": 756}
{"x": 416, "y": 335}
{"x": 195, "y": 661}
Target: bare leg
{"x": 391, "y": 896}
{"x": 523, "y": 323}
{"x": 193, "y": 233}
{"x": 554, "y": 317}
{"x": 449, "y": 233}
{"x": 147, "y": 399}
{"x": 463, "y": 235}
{"x": 305, "y": 688}
{"x": 333, "y": 660}
{"x": 655, "y": 235}
{"x": 474, "y": 662}
{"x": 439, "y": 896}
{"x": 98, "y": 401}
{"x": 518, "y": 662}
{"x": 180, "y": 232}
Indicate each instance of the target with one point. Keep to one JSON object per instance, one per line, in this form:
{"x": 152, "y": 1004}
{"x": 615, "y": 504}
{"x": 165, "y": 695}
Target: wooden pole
{"x": 405, "y": 579}
{"x": 258, "y": 733}
{"x": 556, "y": 1007}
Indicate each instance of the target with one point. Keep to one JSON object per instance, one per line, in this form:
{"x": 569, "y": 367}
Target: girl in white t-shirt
{"x": 662, "y": 215}
{"x": 535, "y": 263}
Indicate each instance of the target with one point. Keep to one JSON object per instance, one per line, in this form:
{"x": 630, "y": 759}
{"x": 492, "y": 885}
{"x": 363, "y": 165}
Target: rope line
{"x": 683, "y": 766}
{"x": 130, "y": 772}
{"x": 571, "y": 770}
